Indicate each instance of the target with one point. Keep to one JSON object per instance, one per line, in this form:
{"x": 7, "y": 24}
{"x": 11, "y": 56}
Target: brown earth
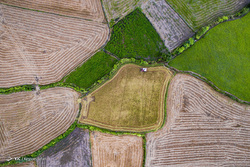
{"x": 73, "y": 151}
{"x": 86, "y": 9}
{"x": 110, "y": 150}
{"x": 29, "y": 120}
{"x": 203, "y": 128}
{"x": 131, "y": 101}
{"x": 41, "y": 48}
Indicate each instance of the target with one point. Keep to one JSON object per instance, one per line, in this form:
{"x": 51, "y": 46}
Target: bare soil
{"x": 110, "y": 150}
{"x": 170, "y": 26}
{"x": 30, "y": 120}
{"x": 72, "y": 151}
{"x": 203, "y": 128}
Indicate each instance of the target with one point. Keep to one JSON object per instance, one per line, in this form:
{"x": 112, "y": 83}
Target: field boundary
{"x": 210, "y": 83}
{"x": 180, "y": 16}
{"x": 177, "y": 51}
{"x": 154, "y": 127}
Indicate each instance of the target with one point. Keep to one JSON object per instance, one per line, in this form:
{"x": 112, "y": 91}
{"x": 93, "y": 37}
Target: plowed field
{"x": 41, "y": 48}
{"x": 170, "y": 26}
{"x": 87, "y": 9}
{"x": 203, "y": 128}
{"x": 73, "y": 151}
{"x": 109, "y": 150}
{"x": 131, "y": 101}
{"x": 30, "y": 120}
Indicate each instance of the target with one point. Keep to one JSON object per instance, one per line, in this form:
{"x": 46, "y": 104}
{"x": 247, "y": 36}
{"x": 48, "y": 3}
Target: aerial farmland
{"x": 124, "y": 83}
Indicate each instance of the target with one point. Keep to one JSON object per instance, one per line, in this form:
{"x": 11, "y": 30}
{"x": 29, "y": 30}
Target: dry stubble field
{"x": 170, "y": 26}
{"x": 130, "y": 101}
{"x": 117, "y": 9}
{"x": 73, "y": 151}
{"x": 203, "y": 128}
{"x": 86, "y": 9}
{"x": 41, "y": 48}
{"x": 109, "y": 150}
{"x": 30, "y": 120}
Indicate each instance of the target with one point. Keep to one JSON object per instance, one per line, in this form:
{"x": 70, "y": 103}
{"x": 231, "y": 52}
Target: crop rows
{"x": 110, "y": 150}
{"x": 86, "y": 9}
{"x": 203, "y": 128}
{"x": 29, "y": 120}
{"x": 74, "y": 150}
{"x": 203, "y": 12}
{"x": 42, "y": 48}
{"x": 170, "y": 26}
{"x": 117, "y": 9}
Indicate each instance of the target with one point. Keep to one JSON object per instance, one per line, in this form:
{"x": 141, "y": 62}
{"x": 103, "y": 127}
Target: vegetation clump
{"x": 135, "y": 37}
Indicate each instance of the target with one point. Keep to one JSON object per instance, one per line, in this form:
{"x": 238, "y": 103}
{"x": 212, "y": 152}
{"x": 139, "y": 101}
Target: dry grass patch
{"x": 203, "y": 128}
{"x": 109, "y": 150}
{"x": 87, "y": 9}
{"x": 41, "y": 48}
{"x": 117, "y": 9}
{"x": 170, "y": 26}
{"x": 29, "y": 120}
{"x": 130, "y": 101}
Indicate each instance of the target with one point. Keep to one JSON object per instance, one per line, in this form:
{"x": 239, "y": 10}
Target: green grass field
{"x": 222, "y": 56}
{"x": 135, "y": 37}
{"x": 92, "y": 70}
{"x": 198, "y": 13}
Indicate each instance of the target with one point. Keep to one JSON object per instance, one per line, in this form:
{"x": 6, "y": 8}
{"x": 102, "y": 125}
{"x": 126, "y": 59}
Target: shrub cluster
{"x": 17, "y": 89}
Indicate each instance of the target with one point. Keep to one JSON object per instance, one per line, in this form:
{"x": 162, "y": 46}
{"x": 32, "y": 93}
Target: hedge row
{"x": 205, "y": 29}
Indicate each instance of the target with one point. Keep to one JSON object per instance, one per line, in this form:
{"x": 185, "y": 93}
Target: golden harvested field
{"x": 203, "y": 128}
{"x": 25, "y": 164}
{"x": 86, "y": 9}
{"x": 110, "y": 151}
{"x": 41, "y": 48}
{"x": 131, "y": 101}
{"x": 29, "y": 120}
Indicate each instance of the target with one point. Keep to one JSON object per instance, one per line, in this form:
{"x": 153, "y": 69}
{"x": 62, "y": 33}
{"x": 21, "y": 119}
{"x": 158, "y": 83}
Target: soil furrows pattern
{"x": 85, "y": 9}
{"x": 74, "y": 150}
{"x": 29, "y": 120}
{"x": 202, "y": 12}
{"x": 171, "y": 28}
{"x": 109, "y": 150}
{"x": 41, "y": 48}
{"x": 203, "y": 128}
{"x": 117, "y": 9}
